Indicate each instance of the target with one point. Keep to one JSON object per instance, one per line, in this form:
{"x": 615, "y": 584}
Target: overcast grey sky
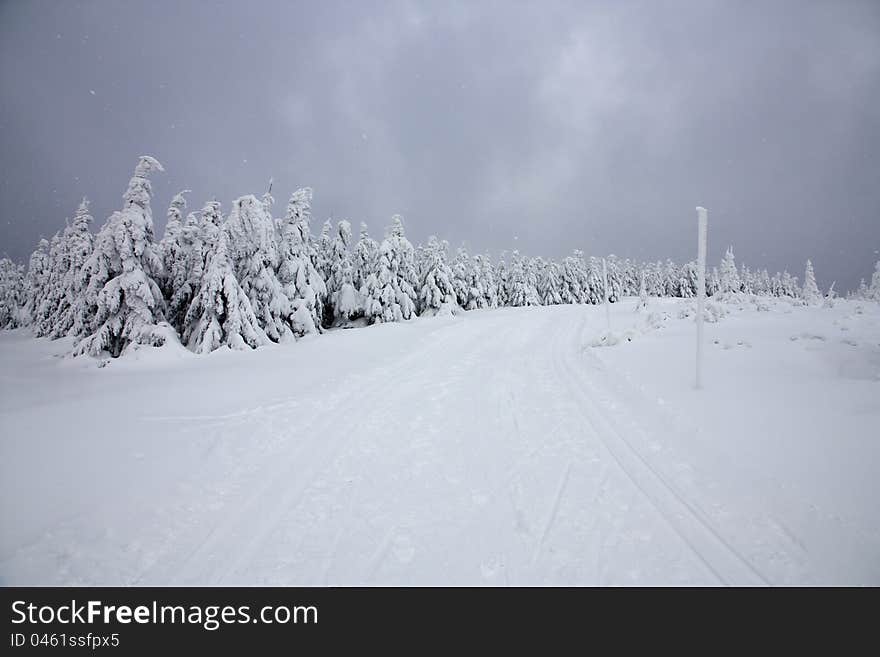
{"x": 543, "y": 126}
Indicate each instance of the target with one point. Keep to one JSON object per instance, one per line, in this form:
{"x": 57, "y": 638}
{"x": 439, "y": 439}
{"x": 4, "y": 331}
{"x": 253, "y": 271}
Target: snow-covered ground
{"x": 496, "y": 447}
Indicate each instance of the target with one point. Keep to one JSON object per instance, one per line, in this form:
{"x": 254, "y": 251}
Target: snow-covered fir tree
{"x": 53, "y": 292}
{"x": 522, "y": 282}
{"x": 366, "y": 255}
{"x": 397, "y": 276}
{"x": 615, "y": 278}
{"x": 746, "y": 280}
{"x": 11, "y": 294}
{"x": 874, "y": 290}
{"x": 485, "y": 282}
{"x": 713, "y": 282}
{"x": 830, "y": 296}
{"x": 810, "y": 292}
{"x": 194, "y": 241}
{"x": 729, "y": 275}
{"x": 345, "y": 299}
{"x": 366, "y": 268}
{"x": 687, "y": 280}
{"x": 126, "y": 264}
{"x": 465, "y": 280}
{"x": 574, "y": 279}
{"x": 789, "y": 285}
{"x": 297, "y": 270}
{"x": 631, "y": 277}
{"x": 595, "y": 286}
{"x": 549, "y": 283}
{"x": 324, "y": 251}
{"x": 35, "y": 281}
{"x": 73, "y": 315}
{"x": 171, "y": 242}
{"x": 643, "y": 293}
{"x": 255, "y": 254}
{"x": 437, "y": 294}
{"x": 221, "y": 313}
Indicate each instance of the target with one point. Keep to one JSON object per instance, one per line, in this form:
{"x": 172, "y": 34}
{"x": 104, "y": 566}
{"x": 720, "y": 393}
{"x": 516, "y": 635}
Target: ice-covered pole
{"x": 702, "y": 229}
{"x": 605, "y": 287}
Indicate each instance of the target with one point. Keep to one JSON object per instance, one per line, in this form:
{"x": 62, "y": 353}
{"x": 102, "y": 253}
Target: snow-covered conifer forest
{"x": 247, "y": 278}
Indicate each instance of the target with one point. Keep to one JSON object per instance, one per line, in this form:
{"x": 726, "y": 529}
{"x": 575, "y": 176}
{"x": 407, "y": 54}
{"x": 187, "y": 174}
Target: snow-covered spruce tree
{"x": 299, "y": 277}
{"x": 874, "y": 290}
{"x": 366, "y": 274}
{"x": 643, "y": 293}
{"x": 671, "y": 280}
{"x": 632, "y": 276}
{"x": 420, "y": 257}
{"x": 713, "y": 282}
{"x": 746, "y": 280}
{"x": 366, "y": 255}
{"x": 194, "y": 242}
{"x": 465, "y": 282}
{"x": 654, "y": 279}
{"x": 437, "y": 294}
{"x": 615, "y": 278}
{"x": 595, "y": 286}
{"x": 344, "y": 297}
{"x": 221, "y": 313}
{"x": 53, "y": 292}
{"x": 501, "y": 279}
{"x": 549, "y": 283}
{"x": 830, "y": 296}
{"x": 324, "y": 252}
{"x": 397, "y": 274}
{"x": 380, "y": 297}
{"x": 729, "y": 276}
{"x": 522, "y": 282}
{"x": 35, "y": 281}
{"x": 130, "y": 307}
{"x": 323, "y": 265}
{"x": 789, "y": 285}
{"x": 254, "y": 252}
{"x": 810, "y": 292}
{"x": 170, "y": 244}
{"x": 73, "y": 315}
{"x": 687, "y": 280}
{"x": 762, "y": 283}
{"x": 11, "y": 294}
{"x": 485, "y": 282}
{"x": 574, "y": 278}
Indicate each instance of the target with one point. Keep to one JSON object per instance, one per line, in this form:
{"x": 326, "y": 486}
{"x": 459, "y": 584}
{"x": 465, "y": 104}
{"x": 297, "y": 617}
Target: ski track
{"x": 551, "y": 517}
{"x": 551, "y": 470}
{"x": 246, "y": 526}
{"x": 724, "y": 561}
{"x": 219, "y": 555}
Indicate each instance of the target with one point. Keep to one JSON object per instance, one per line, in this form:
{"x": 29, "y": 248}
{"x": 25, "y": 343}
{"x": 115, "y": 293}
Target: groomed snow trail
{"x": 477, "y": 457}
{"x": 491, "y": 448}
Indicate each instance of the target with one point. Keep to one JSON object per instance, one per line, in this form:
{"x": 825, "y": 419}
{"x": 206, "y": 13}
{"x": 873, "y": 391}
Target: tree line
{"x": 248, "y": 278}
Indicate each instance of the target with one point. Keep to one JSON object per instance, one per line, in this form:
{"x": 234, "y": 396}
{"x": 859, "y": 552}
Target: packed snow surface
{"x": 493, "y": 447}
